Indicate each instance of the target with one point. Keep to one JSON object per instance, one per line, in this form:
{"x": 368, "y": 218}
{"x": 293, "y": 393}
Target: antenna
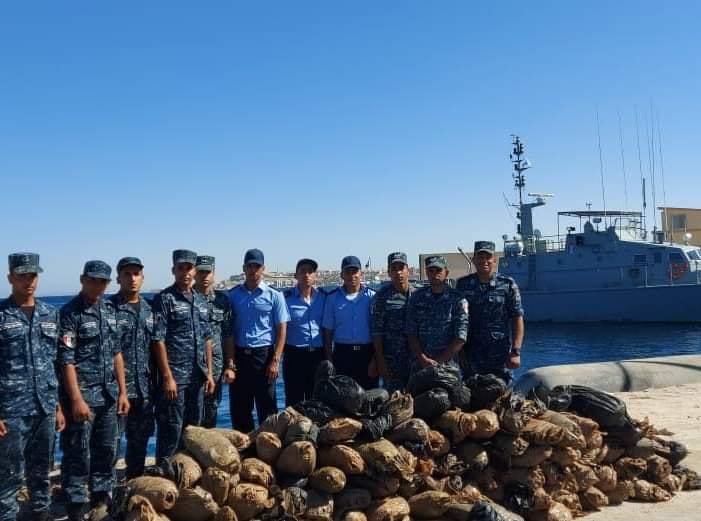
{"x": 664, "y": 189}
{"x": 640, "y": 166}
{"x": 651, "y": 163}
{"x": 601, "y": 162}
{"x": 623, "y": 160}
{"x": 520, "y": 166}
{"x": 467, "y": 259}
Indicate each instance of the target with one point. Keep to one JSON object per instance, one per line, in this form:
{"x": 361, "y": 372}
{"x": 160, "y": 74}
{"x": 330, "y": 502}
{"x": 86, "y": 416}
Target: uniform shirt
{"x": 135, "y": 331}
{"x": 28, "y": 383}
{"x": 257, "y": 314}
{"x": 304, "y": 329}
{"x": 349, "y": 319}
{"x": 437, "y": 320}
{"x": 220, "y": 322}
{"x": 183, "y": 325}
{"x": 88, "y": 340}
{"x": 388, "y": 319}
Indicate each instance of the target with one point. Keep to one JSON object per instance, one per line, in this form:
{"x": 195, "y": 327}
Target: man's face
{"x": 130, "y": 279}
{"x": 436, "y": 275}
{"x": 352, "y": 277}
{"x": 254, "y": 273}
{"x": 204, "y": 279}
{"x": 23, "y": 284}
{"x": 93, "y": 288}
{"x": 306, "y": 275}
{"x": 184, "y": 274}
{"x": 484, "y": 262}
{"x": 399, "y": 273}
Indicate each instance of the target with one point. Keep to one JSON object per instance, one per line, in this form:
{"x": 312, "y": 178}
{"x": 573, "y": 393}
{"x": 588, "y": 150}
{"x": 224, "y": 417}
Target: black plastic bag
{"x": 301, "y": 431}
{"x": 317, "y": 411}
{"x": 431, "y": 404}
{"x": 483, "y": 511}
{"x": 373, "y": 401}
{"x": 444, "y": 376}
{"x": 286, "y": 480}
{"x": 518, "y": 498}
{"x": 460, "y": 397}
{"x": 485, "y": 389}
{"x": 374, "y": 428}
{"x": 338, "y": 391}
{"x": 558, "y": 401}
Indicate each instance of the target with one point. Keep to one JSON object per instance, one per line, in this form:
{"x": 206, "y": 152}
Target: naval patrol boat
{"x": 608, "y": 268}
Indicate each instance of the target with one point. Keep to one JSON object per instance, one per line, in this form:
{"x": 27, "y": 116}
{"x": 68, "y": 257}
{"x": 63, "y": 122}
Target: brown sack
{"x": 671, "y": 483}
{"x": 353, "y": 515}
{"x": 238, "y": 439}
{"x": 194, "y": 504}
{"x": 225, "y": 514}
{"x": 658, "y": 468}
{"x": 248, "y": 500}
{"x": 216, "y": 482}
{"x": 257, "y": 472}
{"x": 191, "y": 470}
{"x": 586, "y": 425}
{"x": 623, "y": 491}
{"x": 565, "y": 456}
{"x": 339, "y": 430}
{"x": 400, "y": 406}
{"x": 268, "y": 447}
{"x": 509, "y": 444}
{"x": 457, "y": 425}
{"x": 342, "y": 457}
{"x": 584, "y": 475}
{"x": 384, "y": 457}
{"x": 593, "y": 499}
{"x": 561, "y": 420}
{"x": 390, "y": 509}
{"x": 429, "y": 505}
{"x": 534, "y": 456}
{"x": 487, "y": 425}
{"x": 352, "y": 499}
{"x": 646, "y": 491}
{"x": 329, "y": 480}
{"x": 161, "y": 492}
{"x": 378, "y": 487}
{"x": 608, "y": 479}
{"x": 277, "y": 423}
{"x": 414, "y": 430}
{"x": 410, "y": 459}
{"x": 630, "y": 468}
{"x": 539, "y": 432}
{"x": 615, "y": 452}
{"x": 437, "y": 444}
{"x": 533, "y": 477}
{"x": 473, "y": 454}
{"x": 319, "y": 506}
{"x": 569, "y": 499}
{"x": 211, "y": 449}
{"x": 556, "y": 512}
{"x": 468, "y": 494}
{"x": 140, "y": 509}
{"x": 297, "y": 459}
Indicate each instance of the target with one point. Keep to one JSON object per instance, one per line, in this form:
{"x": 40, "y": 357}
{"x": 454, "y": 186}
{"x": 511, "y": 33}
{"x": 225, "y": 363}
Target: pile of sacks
{"x": 445, "y": 450}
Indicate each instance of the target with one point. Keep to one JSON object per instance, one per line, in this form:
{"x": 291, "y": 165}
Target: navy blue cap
{"x": 351, "y": 261}
{"x": 129, "y": 261}
{"x": 254, "y": 256}
{"x": 436, "y": 261}
{"x": 204, "y": 263}
{"x": 181, "y": 256}
{"x": 97, "y": 269}
{"x": 311, "y": 262}
{"x": 487, "y": 246}
{"x": 23, "y": 262}
{"x": 397, "y": 256}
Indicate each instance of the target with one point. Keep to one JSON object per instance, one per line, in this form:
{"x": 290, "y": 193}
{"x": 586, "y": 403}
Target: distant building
{"x": 458, "y": 266}
{"x": 678, "y": 221}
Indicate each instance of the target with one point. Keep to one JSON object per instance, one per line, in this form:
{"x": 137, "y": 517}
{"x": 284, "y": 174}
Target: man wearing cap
{"x": 29, "y": 411}
{"x": 304, "y": 350}
{"x": 253, "y": 353}
{"x": 135, "y": 329}
{"x": 347, "y": 326}
{"x": 183, "y": 354}
{"x": 93, "y": 391}
{"x": 496, "y": 317}
{"x": 220, "y": 323}
{"x": 389, "y": 309}
{"x": 437, "y": 319}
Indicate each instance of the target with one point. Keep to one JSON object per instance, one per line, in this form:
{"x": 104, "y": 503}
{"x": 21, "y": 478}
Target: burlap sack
{"x": 540, "y": 432}
{"x": 623, "y": 491}
{"x": 378, "y": 487}
{"x": 429, "y": 504}
{"x": 339, "y": 430}
{"x": 383, "y": 457}
{"x": 414, "y": 430}
{"x": 248, "y": 500}
{"x": 352, "y": 499}
{"x": 437, "y": 444}
{"x": 646, "y": 491}
{"x": 294, "y": 501}
{"x": 140, "y": 509}
{"x": 565, "y": 456}
{"x": 319, "y": 506}
{"x": 301, "y": 429}
{"x": 329, "y": 480}
{"x": 608, "y": 479}
{"x": 257, "y": 472}
{"x": 595, "y": 441}
{"x": 191, "y": 471}
{"x": 217, "y": 483}
{"x": 586, "y": 425}
{"x": 630, "y": 468}
{"x": 455, "y": 424}
{"x": 509, "y": 444}
{"x": 342, "y": 457}
{"x": 533, "y": 477}
{"x": 593, "y": 499}
{"x": 487, "y": 425}
{"x": 277, "y": 423}
{"x": 556, "y": 512}
{"x": 390, "y": 509}
{"x": 211, "y": 449}
{"x": 534, "y": 456}
{"x": 473, "y": 454}
{"x": 353, "y": 515}
{"x": 268, "y": 447}
{"x": 584, "y": 475}
{"x": 297, "y": 459}
{"x": 225, "y": 514}
{"x": 238, "y": 439}
{"x": 194, "y": 504}
{"x": 671, "y": 483}
{"x": 615, "y": 452}
{"x": 540, "y": 499}
{"x": 658, "y": 468}
{"x": 569, "y": 499}
{"x": 561, "y": 420}
{"x": 468, "y": 494}
{"x": 400, "y": 406}
{"x": 160, "y": 492}
{"x": 425, "y": 466}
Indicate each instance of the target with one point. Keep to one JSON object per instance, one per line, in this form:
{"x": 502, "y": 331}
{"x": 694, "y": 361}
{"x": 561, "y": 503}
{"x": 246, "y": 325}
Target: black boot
{"x": 75, "y": 511}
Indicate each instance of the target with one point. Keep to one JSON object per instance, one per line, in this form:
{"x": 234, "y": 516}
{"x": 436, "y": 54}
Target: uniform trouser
{"x": 26, "y": 448}
{"x": 88, "y": 454}
{"x": 353, "y": 360}
{"x": 398, "y": 360}
{"x": 138, "y": 427}
{"x": 172, "y": 416}
{"x": 251, "y": 385}
{"x": 298, "y": 367}
{"x": 211, "y": 405}
{"x": 487, "y": 358}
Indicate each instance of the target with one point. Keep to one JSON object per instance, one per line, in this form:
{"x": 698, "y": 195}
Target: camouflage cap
{"x": 204, "y": 263}
{"x": 20, "y": 263}
{"x": 397, "y": 256}
{"x": 436, "y": 261}
{"x": 181, "y": 256}
{"x": 129, "y": 261}
{"x": 487, "y": 246}
{"x": 97, "y": 269}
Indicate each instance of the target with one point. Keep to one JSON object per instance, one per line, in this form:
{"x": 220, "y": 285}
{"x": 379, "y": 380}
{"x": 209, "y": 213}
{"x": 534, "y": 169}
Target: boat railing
{"x": 535, "y": 244}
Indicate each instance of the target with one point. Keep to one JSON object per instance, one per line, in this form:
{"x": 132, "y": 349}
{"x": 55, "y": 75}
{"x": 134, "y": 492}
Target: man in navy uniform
{"x": 29, "y": 411}
{"x": 347, "y": 326}
{"x": 437, "y": 319}
{"x": 496, "y": 317}
{"x": 253, "y": 353}
{"x": 304, "y": 350}
{"x": 135, "y": 327}
{"x": 220, "y": 324}
{"x": 93, "y": 391}
{"x": 183, "y": 353}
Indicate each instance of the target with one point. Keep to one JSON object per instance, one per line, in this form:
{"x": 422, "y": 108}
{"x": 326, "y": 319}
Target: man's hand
{"x": 382, "y": 369}
{"x": 426, "y": 361}
{"x": 229, "y": 376}
{"x": 3, "y": 429}
{"x": 123, "y": 404}
{"x": 209, "y": 385}
{"x": 273, "y": 369}
{"x": 514, "y": 360}
{"x": 80, "y": 411}
{"x": 170, "y": 388}
{"x": 60, "y": 423}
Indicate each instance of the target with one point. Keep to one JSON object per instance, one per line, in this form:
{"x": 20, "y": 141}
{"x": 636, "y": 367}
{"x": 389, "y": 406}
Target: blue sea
{"x": 555, "y": 344}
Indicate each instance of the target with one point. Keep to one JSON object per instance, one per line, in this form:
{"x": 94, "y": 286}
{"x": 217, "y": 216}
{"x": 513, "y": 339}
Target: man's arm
{"x": 80, "y": 411}
{"x": 415, "y": 347}
{"x": 377, "y": 324}
{"x": 123, "y": 400}
{"x": 274, "y": 365}
{"x": 517, "y": 332}
{"x": 452, "y": 351}
{"x": 328, "y": 341}
{"x": 229, "y": 359}
{"x": 328, "y": 324}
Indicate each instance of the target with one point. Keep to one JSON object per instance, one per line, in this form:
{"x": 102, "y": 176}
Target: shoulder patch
{"x": 68, "y": 339}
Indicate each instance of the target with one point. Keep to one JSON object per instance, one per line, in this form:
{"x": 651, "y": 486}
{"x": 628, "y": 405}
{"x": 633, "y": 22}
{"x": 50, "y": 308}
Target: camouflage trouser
{"x": 138, "y": 426}
{"x": 26, "y": 448}
{"x": 88, "y": 454}
{"x": 211, "y": 406}
{"x": 399, "y": 365}
{"x": 486, "y": 358}
{"x": 173, "y": 416}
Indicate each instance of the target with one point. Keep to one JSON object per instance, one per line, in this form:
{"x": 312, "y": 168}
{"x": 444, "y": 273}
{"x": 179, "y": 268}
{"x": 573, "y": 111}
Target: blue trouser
{"x": 27, "y": 446}
{"x": 211, "y": 406}
{"x": 172, "y": 416}
{"x": 138, "y": 426}
{"x": 88, "y": 454}
{"x": 487, "y": 358}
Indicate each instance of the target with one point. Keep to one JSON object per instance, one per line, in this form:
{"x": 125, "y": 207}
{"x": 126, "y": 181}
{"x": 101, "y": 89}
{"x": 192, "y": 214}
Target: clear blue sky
{"x": 324, "y": 128}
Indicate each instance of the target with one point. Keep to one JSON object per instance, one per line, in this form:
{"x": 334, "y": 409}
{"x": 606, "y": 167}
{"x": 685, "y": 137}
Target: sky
{"x": 322, "y": 129}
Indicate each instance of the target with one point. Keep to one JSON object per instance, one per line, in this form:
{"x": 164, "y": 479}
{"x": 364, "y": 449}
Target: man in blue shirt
{"x": 260, "y": 325}
{"x": 347, "y": 325}
{"x": 304, "y": 350}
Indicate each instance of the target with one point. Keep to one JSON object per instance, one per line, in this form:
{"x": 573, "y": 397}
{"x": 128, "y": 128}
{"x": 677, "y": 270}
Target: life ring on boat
{"x": 676, "y": 269}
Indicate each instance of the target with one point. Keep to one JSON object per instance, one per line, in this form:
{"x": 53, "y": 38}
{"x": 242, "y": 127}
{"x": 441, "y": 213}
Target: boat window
{"x": 657, "y": 257}
{"x": 694, "y": 254}
{"x": 639, "y": 259}
{"x": 676, "y": 257}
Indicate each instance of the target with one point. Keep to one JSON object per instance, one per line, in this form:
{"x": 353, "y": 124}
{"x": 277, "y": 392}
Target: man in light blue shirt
{"x": 304, "y": 350}
{"x": 347, "y": 325}
{"x": 260, "y": 319}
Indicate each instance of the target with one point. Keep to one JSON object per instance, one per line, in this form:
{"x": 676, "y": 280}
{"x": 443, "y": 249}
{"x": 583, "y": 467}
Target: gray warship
{"x": 605, "y": 268}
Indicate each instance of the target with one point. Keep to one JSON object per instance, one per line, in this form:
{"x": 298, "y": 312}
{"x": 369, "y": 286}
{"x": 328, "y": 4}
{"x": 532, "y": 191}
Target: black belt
{"x": 353, "y": 347}
{"x": 249, "y": 350}
{"x": 303, "y": 349}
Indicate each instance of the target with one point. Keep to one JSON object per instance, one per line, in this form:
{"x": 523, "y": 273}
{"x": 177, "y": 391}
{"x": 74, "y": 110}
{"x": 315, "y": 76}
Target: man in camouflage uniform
{"x": 135, "y": 326}
{"x": 93, "y": 391}
{"x": 183, "y": 353}
{"x": 495, "y": 304}
{"x": 437, "y": 320}
{"x": 28, "y": 390}
{"x": 388, "y": 323}
{"x": 220, "y": 324}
